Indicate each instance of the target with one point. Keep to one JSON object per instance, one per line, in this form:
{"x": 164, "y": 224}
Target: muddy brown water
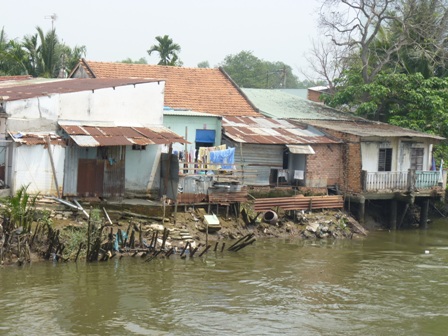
{"x": 391, "y": 283}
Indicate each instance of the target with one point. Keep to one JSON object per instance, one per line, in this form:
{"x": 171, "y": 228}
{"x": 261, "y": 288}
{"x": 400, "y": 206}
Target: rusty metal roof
{"x": 16, "y": 90}
{"x": 368, "y": 128}
{"x": 36, "y": 138}
{"x": 105, "y": 135}
{"x": 262, "y": 130}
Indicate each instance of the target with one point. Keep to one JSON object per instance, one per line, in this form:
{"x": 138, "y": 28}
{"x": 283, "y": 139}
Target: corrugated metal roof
{"x": 367, "y": 128}
{"x": 188, "y": 113}
{"x": 15, "y": 90}
{"x": 261, "y": 130}
{"x": 36, "y": 138}
{"x": 301, "y": 149}
{"x": 97, "y": 135}
{"x": 278, "y": 104}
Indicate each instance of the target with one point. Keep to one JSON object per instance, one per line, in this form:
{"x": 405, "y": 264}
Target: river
{"x": 391, "y": 283}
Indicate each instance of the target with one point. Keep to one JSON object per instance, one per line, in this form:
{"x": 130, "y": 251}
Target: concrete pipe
{"x": 270, "y": 217}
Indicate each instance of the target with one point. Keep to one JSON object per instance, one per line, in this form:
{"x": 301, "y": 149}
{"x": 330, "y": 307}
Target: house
{"x": 275, "y": 151}
{"x": 83, "y": 137}
{"x": 314, "y": 93}
{"x": 380, "y": 161}
{"x": 200, "y": 129}
{"x": 208, "y": 90}
{"x": 275, "y": 157}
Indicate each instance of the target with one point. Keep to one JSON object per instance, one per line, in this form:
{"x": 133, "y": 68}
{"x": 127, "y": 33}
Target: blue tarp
{"x": 207, "y": 136}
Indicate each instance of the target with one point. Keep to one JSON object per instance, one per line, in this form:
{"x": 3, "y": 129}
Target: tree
{"x": 249, "y": 71}
{"x": 47, "y": 54}
{"x": 204, "y": 64}
{"x": 38, "y": 55}
{"x": 355, "y": 25}
{"x": 328, "y": 61}
{"x": 393, "y": 35}
{"x": 12, "y": 56}
{"x": 142, "y": 60}
{"x": 167, "y": 50}
{"x": 406, "y": 100}
{"x": 69, "y": 58}
{"x": 427, "y": 24}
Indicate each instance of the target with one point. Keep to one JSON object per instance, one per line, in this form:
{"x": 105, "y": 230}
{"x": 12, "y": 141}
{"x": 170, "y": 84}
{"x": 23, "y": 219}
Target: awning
{"x": 300, "y": 149}
{"x": 36, "y": 138}
{"x": 95, "y": 136}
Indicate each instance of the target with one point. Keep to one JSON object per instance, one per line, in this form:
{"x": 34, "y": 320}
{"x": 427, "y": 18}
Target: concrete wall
{"x": 124, "y": 105}
{"x": 189, "y": 124}
{"x": 141, "y": 104}
{"x": 32, "y": 166}
{"x": 140, "y": 170}
{"x": 401, "y": 153}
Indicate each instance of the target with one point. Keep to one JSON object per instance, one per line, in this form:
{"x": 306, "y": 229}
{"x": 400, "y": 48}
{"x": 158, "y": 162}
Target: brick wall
{"x": 325, "y": 167}
{"x": 314, "y": 96}
{"x": 351, "y": 161}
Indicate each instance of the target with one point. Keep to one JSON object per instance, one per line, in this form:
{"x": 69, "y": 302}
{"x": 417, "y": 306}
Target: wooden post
{"x": 88, "y": 235}
{"x": 107, "y": 216}
{"x": 393, "y": 214}
{"x": 175, "y": 211}
{"x": 424, "y": 214}
{"x": 206, "y": 234}
{"x": 205, "y": 250}
{"x": 52, "y": 165}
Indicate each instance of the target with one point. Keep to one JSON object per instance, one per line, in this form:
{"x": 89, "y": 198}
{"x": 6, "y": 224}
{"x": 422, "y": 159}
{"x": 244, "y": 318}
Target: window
{"x": 138, "y": 147}
{"x": 417, "y": 158}
{"x": 385, "y": 159}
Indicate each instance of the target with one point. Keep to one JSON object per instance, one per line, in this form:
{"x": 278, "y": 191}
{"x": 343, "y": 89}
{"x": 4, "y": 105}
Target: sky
{"x": 206, "y": 30}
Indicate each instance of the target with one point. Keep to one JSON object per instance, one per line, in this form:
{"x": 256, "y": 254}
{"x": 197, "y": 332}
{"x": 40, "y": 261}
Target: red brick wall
{"x": 325, "y": 165}
{"x": 351, "y": 161}
{"x": 314, "y": 95}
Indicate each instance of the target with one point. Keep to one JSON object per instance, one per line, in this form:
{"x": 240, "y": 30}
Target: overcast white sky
{"x": 206, "y": 30}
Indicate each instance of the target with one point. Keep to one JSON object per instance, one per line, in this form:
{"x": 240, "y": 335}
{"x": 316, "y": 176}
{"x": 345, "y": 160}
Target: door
{"x": 90, "y": 177}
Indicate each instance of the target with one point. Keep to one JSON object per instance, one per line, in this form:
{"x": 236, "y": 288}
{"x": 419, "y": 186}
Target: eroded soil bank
{"x": 63, "y": 234}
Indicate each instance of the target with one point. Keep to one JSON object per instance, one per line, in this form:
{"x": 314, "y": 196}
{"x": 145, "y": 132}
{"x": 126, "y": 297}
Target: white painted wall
{"x": 141, "y": 104}
{"x": 32, "y": 165}
{"x": 139, "y": 164}
{"x": 401, "y": 153}
{"x": 124, "y": 105}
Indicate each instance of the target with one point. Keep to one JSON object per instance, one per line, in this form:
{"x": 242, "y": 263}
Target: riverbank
{"x": 62, "y": 233}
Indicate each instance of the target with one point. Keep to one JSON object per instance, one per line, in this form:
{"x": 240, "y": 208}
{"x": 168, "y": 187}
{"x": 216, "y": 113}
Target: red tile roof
{"x": 197, "y": 89}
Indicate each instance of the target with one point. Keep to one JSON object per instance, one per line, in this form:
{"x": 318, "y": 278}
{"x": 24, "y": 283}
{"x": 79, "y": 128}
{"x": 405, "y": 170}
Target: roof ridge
{"x": 154, "y": 65}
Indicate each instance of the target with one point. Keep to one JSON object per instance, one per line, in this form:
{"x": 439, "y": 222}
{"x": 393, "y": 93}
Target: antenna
{"x": 53, "y": 18}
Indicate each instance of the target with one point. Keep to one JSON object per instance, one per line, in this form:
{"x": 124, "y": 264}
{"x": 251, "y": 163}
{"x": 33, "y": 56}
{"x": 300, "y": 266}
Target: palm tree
{"x": 167, "y": 50}
{"x": 12, "y": 57}
{"x": 48, "y": 53}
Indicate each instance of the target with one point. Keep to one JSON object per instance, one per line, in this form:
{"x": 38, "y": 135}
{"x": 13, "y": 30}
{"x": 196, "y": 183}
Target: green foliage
{"x": 128, "y": 60}
{"x": 204, "y": 64}
{"x": 249, "y": 71}
{"x": 409, "y": 101}
{"x": 72, "y": 238}
{"x": 38, "y": 55}
{"x": 20, "y": 209}
{"x": 45, "y": 219}
{"x": 305, "y": 84}
{"x": 167, "y": 50}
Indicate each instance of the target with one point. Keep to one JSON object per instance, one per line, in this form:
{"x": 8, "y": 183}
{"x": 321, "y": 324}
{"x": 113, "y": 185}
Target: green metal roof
{"x": 279, "y": 104}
